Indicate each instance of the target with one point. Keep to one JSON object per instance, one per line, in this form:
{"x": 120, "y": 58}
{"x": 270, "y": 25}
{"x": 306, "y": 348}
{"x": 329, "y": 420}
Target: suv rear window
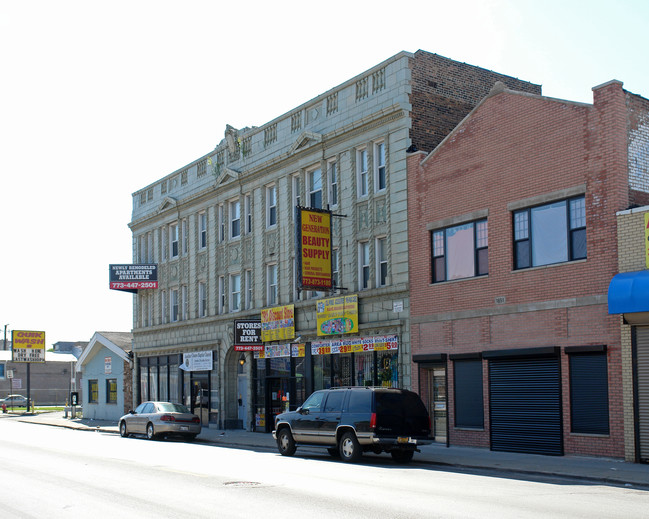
{"x": 359, "y": 401}
{"x": 401, "y": 403}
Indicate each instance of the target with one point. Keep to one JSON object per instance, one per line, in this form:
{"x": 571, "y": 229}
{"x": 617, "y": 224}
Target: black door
{"x": 278, "y": 396}
{"x": 525, "y": 405}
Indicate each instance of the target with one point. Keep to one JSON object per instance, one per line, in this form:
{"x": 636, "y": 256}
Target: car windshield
{"x": 167, "y": 407}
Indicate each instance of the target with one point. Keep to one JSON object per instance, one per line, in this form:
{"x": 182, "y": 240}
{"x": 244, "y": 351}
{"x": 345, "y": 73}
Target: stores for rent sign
{"x": 247, "y": 335}
{"x": 28, "y": 346}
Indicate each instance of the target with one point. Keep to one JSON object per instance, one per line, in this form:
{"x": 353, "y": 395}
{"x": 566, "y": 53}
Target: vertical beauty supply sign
{"x": 313, "y": 243}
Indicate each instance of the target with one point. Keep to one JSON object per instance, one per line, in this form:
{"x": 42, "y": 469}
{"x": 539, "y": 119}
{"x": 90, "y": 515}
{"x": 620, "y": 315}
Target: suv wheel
{"x": 402, "y": 456}
{"x": 350, "y": 449}
{"x": 285, "y": 442}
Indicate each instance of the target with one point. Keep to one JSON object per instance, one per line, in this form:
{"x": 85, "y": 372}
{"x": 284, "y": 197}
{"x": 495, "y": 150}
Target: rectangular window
{"x": 235, "y": 292}
{"x": 248, "y": 213}
{"x": 202, "y": 228}
{"x": 271, "y": 206}
{"x": 335, "y": 277}
{"x": 364, "y": 265}
{"x": 469, "y": 407}
{"x": 143, "y": 300}
{"x": 173, "y": 240}
{"x": 184, "y": 300}
{"x": 248, "y": 287}
{"x": 297, "y": 198}
{"x": 143, "y": 249}
{"x": 93, "y": 392}
{"x": 361, "y": 167}
{"x": 381, "y": 262}
{"x": 221, "y": 294}
{"x": 149, "y": 239}
{"x": 173, "y": 316}
{"x": 235, "y": 219}
{"x": 461, "y": 251}
{"x": 333, "y": 184}
{"x": 379, "y": 167}
{"x": 221, "y": 224}
{"x": 183, "y": 236}
{"x": 551, "y": 233}
{"x": 315, "y": 189}
{"x": 202, "y": 299}
{"x": 111, "y": 391}
{"x": 163, "y": 307}
{"x": 271, "y": 274}
{"x": 164, "y": 241}
{"x": 589, "y": 393}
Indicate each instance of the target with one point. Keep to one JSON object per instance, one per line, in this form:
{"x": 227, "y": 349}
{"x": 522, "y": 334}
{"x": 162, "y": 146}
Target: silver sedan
{"x": 160, "y": 419}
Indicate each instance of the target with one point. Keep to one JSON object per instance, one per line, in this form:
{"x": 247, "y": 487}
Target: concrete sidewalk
{"x": 587, "y": 469}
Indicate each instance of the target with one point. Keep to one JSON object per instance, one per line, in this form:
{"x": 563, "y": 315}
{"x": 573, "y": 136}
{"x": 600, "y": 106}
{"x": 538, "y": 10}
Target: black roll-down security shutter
{"x": 525, "y": 401}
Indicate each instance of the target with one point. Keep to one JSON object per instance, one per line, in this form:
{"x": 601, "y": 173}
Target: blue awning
{"x": 629, "y": 293}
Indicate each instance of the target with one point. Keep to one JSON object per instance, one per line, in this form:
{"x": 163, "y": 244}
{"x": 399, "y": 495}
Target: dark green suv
{"x": 352, "y": 420}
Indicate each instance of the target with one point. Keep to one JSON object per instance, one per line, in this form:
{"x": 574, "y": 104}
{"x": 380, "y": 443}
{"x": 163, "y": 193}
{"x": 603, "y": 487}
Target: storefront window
{"x": 153, "y": 383}
{"x": 259, "y": 385}
{"x": 300, "y": 382}
{"x": 321, "y": 372}
{"x": 388, "y": 369}
{"x": 144, "y": 383}
{"x": 364, "y": 368}
{"x": 280, "y": 367}
{"x": 214, "y": 389}
{"x": 173, "y": 380}
{"x": 342, "y": 370}
{"x": 164, "y": 383}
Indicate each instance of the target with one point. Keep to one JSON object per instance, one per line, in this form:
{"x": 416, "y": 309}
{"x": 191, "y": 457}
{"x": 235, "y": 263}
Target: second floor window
{"x": 364, "y": 265}
{"x": 381, "y": 262}
{"x": 379, "y": 165}
{"x": 173, "y": 240}
{"x": 202, "y": 299}
{"x": 272, "y": 284}
{"x": 174, "y": 306}
{"x": 461, "y": 251}
{"x": 235, "y": 293}
{"x": 362, "y": 179}
{"x": 271, "y": 206}
{"x": 333, "y": 184}
{"x": 551, "y": 233}
{"x": 248, "y": 213}
{"x": 202, "y": 228}
{"x": 315, "y": 189}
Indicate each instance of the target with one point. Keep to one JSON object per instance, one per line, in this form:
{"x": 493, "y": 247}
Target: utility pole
{"x": 5, "y": 341}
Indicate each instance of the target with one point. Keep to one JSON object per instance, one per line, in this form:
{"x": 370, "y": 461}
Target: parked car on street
{"x": 353, "y": 420}
{"x": 160, "y": 419}
{"x": 14, "y": 401}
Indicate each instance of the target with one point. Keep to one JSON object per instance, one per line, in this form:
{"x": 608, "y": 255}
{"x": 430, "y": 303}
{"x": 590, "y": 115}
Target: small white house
{"x": 106, "y": 375}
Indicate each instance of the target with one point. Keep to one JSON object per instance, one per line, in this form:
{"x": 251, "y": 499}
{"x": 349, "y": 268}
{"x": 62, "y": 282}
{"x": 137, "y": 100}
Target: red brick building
{"x": 512, "y": 245}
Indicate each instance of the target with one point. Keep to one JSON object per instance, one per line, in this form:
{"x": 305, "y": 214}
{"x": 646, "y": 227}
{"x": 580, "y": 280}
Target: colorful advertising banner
{"x": 28, "y": 346}
{"x": 355, "y": 344}
{"x": 271, "y": 351}
{"x": 313, "y": 245}
{"x": 337, "y": 315}
{"x": 247, "y": 335}
{"x": 278, "y": 323}
{"x": 131, "y": 278}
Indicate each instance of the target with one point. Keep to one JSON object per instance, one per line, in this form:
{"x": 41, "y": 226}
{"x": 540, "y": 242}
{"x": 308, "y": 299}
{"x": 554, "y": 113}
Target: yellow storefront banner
{"x": 337, "y": 315}
{"x": 28, "y": 346}
{"x": 278, "y": 323}
{"x": 315, "y": 249}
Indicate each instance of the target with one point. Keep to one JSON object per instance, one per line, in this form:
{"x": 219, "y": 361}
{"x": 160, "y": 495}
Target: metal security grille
{"x": 525, "y": 405}
{"x": 642, "y": 349}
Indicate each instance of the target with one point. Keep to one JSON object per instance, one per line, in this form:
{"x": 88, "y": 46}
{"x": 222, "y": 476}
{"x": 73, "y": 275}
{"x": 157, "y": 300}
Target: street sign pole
{"x": 28, "y": 388}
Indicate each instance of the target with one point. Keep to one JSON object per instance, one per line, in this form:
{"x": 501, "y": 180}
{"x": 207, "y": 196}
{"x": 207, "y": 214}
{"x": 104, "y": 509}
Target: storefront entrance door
{"x": 437, "y": 399}
{"x": 201, "y": 395}
{"x": 278, "y": 398}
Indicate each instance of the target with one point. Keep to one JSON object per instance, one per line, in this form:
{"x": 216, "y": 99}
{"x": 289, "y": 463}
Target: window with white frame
{"x": 550, "y": 233}
{"x": 362, "y": 181}
{"x": 296, "y": 187}
{"x": 379, "y": 167}
{"x": 221, "y": 294}
{"x": 235, "y": 292}
{"x": 271, "y": 206}
{"x": 143, "y": 252}
{"x": 271, "y": 275}
{"x": 333, "y": 184}
{"x": 202, "y": 230}
{"x": 364, "y": 265}
{"x": 248, "y": 288}
{"x": 315, "y": 188}
{"x": 235, "y": 219}
{"x": 164, "y": 310}
{"x": 202, "y": 299}
{"x": 173, "y": 240}
{"x": 460, "y": 251}
{"x": 184, "y": 301}
{"x": 149, "y": 306}
{"x": 173, "y": 316}
{"x": 144, "y": 310}
{"x": 149, "y": 239}
{"x": 183, "y": 236}
{"x": 247, "y": 202}
{"x": 221, "y": 214}
{"x": 164, "y": 241}
{"x": 335, "y": 276}
{"x": 381, "y": 262}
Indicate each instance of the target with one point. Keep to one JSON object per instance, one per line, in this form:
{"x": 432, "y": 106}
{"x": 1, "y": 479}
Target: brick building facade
{"x": 512, "y": 235}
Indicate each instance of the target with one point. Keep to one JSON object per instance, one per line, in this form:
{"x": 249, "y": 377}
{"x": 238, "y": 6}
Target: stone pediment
{"x": 305, "y": 140}
{"x": 226, "y": 175}
{"x": 168, "y": 203}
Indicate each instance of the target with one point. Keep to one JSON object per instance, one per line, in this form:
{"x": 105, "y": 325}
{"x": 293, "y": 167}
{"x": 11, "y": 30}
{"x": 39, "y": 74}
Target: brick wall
{"x": 513, "y": 149}
{"x": 445, "y": 91}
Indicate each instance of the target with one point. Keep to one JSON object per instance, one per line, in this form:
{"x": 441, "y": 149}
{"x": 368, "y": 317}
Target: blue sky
{"x": 99, "y": 99}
